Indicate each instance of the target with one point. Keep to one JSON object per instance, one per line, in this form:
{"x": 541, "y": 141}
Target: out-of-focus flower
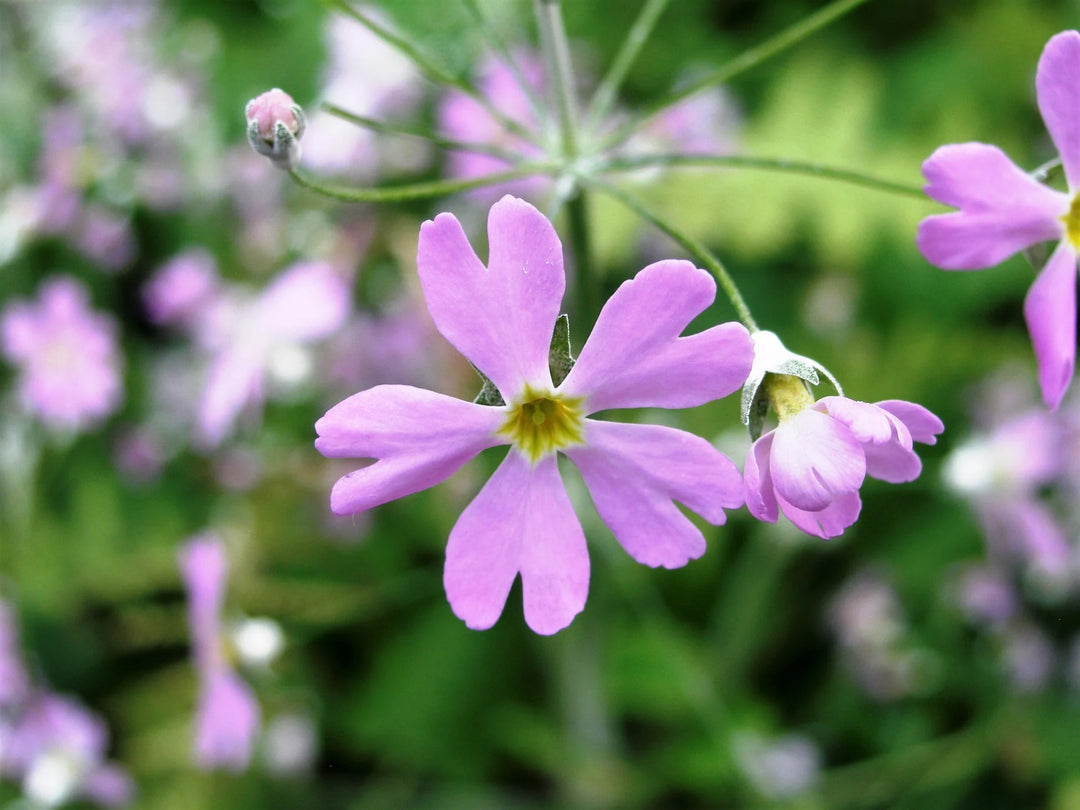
{"x": 275, "y": 125}
{"x": 985, "y": 595}
{"x": 227, "y": 721}
{"x": 67, "y": 354}
{"x": 181, "y": 288}
{"x": 778, "y": 768}
{"x": 1003, "y": 210}
{"x": 14, "y": 683}
{"x": 1028, "y": 657}
{"x": 57, "y": 750}
{"x": 707, "y": 123}
{"x": 502, "y": 318}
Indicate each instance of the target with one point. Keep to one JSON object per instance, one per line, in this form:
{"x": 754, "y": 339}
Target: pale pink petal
{"x": 635, "y": 357}
{"x": 814, "y": 460}
{"x": 892, "y": 462}
{"x": 522, "y": 520}
{"x": 500, "y": 317}
{"x": 109, "y": 785}
{"x": 1050, "y": 312}
{"x": 757, "y": 475}
{"x": 235, "y": 381}
{"x": 419, "y": 437}
{"x": 866, "y": 422}
{"x": 308, "y": 301}
{"x": 204, "y": 569}
{"x": 635, "y": 473}
{"x": 828, "y": 522}
{"x": 1057, "y": 82}
{"x": 227, "y": 722}
{"x": 921, "y": 424}
{"x": 1002, "y": 209}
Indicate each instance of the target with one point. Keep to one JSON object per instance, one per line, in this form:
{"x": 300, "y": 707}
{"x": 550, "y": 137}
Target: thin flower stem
{"x": 1042, "y": 173}
{"x": 556, "y": 51}
{"x": 577, "y": 211}
{"x": 434, "y": 71}
{"x": 748, "y": 59}
{"x": 417, "y": 191}
{"x": 609, "y": 87}
{"x": 766, "y": 164}
{"x": 700, "y": 253}
{"x": 396, "y": 129}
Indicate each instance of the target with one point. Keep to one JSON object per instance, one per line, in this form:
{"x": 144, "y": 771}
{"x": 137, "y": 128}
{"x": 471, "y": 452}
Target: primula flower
{"x": 811, "y": 466}
{"x": 1004, "y": 210}
{"x": 502, "y": 317}
{"x": 227, "y": 721}
{"x": 68, "y": 356}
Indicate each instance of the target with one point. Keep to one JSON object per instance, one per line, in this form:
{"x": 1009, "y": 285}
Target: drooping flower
{"x": 67, "y": 354}
{"x": 1003, "y": 210}
{"x": 227, "y": 721}
{"x": 502, "y": 318}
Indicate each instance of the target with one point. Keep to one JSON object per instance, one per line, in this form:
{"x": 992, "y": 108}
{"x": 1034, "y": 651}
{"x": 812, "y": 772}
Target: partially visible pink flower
{"x": 706, "y": 123}
{"x": 811, "y": 466}
{"x": 502, "y": 317}
{"x": 1003, "y": 210}
{"x": 275, "y": 124}
{"x": 180, "y": 288}
{"x": 227, "y": 721}
{"x": 67, "y": 354}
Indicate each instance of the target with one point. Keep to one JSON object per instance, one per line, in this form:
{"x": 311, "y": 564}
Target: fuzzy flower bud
{"x": 275, "y": 124}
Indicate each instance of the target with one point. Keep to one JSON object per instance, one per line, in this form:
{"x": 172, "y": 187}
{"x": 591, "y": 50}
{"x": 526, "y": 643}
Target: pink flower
{"x": 67, "y": 353}
{"x": 1004, "y": 210}
{"x": 227, "y": 721}
{"x": 502, "y": 317}
{"x": 811, "y": 466}
{"x": 275, "y": 124}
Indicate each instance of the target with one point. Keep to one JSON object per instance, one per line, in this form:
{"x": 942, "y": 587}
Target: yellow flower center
{"x": 1072, "y": 222}
{"x": 788, "y": 395}
{"x": 539, "y": 424}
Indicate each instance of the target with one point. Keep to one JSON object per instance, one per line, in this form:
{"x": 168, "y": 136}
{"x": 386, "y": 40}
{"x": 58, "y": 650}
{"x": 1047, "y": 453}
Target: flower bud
{"x": 275, "y": 124}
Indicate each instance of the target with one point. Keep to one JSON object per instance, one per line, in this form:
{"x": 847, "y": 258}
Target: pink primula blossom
{"x": 1003, "y": 210}
{"x": 501, "y": 317}
{"x": 227, "y": 721}
{"x": 67, "y": 354}
{"x": 811, "y": 466}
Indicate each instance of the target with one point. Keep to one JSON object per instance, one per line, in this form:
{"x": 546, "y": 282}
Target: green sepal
{"x": 560, "y": 361}
{"x": 756, "y": 413}
{"x": 489, "y": 393}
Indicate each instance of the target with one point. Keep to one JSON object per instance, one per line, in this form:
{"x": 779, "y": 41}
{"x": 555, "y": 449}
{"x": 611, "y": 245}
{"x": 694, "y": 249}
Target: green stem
{"x": 748, "y": 59}
{"x": 396, "y": 129}
{"x": 780, "y": 165}
{"x": 585, "y": 297}
{"x": 434, "y": 71}
{"x": 556, "y": 51}
{"x": 417, "y": 191}
{"x": 700, "y": 253}
{"x": 635, "y": 39}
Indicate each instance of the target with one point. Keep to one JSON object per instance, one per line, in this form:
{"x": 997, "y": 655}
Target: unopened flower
{"x": 1003, "y": 210}
{"x": 275, "y": 124}
{"x": 67, "y": 354}
{"x": 227, "y": 722}
{"x": 502, "y": 318}
{"x": 812, "y": 464}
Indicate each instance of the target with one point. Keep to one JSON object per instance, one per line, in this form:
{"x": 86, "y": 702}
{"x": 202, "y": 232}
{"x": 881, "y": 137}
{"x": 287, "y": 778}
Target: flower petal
{"x": 419, "y": 438}
{"x": 757, "y": 477}
{"x": 867, "y": 423}
{"x": 1050, "y": 312}
{"x": 635, "y": 473}
{"x": 235, "y": 381}
{"x": 521, "y": 520}
{"x": 204, "y": 569}
{"x": 828, "y": 522}
{"x": 1002, "y": 209}
{"x": 893, "y": 461}
{"x": 1057, "y": 83}
{"x": 921, "y": 424}
{"x": 814, "y": 460}
{"x": 307, "y": 302}
{"x": 500, "y": 317}
{"x": 227, "y": 722}
{"x": 635, "y": 357}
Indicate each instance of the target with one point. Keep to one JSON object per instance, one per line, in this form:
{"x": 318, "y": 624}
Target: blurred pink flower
{"x": 67, "y": 354}
{"x": 180, "y": 288}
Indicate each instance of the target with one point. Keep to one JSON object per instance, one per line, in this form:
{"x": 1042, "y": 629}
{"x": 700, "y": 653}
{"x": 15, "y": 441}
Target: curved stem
{"x": 748, "y": 59}
{"x": 702, "y": 254}
{"x": 556, "y": 50}
{"x": 416, "y": 191}
{"x": 766, "y": 164}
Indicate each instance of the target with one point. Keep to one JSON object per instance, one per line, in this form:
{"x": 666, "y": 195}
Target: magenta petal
{"x": 635, "y": 473}
{"x": 892, "y": 462}
{"x": 1002, "y": 209}
{"x": 757, "y": 478}
{"x": 814, "y": 459}
{"x": 921, "y": 423}
{"x": 828, "y": 522}
{"x": 1050, "y": 312}
{"x": 500, "y": 317}
{"x": 307, "y": 302}
{"x": 1057, "y": 83}
{"x": 204, "y": 568}
{"x": 635, "y": 357}
{"x": 521, "y": 520}
{"x": 227, "y": 722}
{"x": 235, "y": 382}
{"x": 419, "y": 438}
{"x": 867, "y": 423}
